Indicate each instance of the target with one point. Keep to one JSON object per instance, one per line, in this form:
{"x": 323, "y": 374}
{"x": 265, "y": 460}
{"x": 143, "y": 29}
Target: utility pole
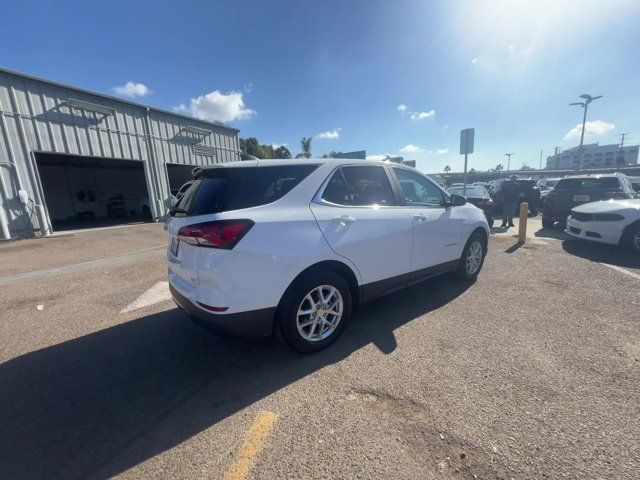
{"x": 622, "y": 141}
{"x": 508, "y": 155}
{"x": 540, "y": 160}
{"x": 620, "y": 160}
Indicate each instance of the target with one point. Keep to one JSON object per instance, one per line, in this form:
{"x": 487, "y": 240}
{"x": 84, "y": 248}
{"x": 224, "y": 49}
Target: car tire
{"x": 298, "y": 330}
{"x": 469, "y": 269}
{"x": 547, "y": 222}
{"x": 631, "y": 238}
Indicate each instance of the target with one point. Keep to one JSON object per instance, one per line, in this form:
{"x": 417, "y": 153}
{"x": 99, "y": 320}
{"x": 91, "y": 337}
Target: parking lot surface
{"x": 531, "y": 372}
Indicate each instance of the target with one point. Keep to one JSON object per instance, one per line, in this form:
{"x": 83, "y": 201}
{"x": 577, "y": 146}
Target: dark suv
{"x": 529, "y": 192}
{"x": 573, "y": 191}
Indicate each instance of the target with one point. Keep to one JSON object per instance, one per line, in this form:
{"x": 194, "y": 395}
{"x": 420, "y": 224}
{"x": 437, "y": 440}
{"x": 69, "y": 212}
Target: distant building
{"x": 360, "y": 154}
{"x": 593, "y": 155}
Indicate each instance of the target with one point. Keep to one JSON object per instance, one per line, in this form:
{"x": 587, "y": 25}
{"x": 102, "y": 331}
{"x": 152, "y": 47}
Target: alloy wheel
{"x": 319, "y": 313}
{"x": 474, "y": 258}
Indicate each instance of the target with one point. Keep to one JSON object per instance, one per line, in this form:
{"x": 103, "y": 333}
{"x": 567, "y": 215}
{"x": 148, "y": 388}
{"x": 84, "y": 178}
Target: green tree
{"x": 499, "y": 167}
{"x": 282, "y": 152}
{"x": 447, "y": 168}
{"x": 525, "y": 167}
{"x": 472, "y": 171}
{"x": 305, "y": 143}
{"x": 250, "y": 146}
{"x": 265, "y": 151}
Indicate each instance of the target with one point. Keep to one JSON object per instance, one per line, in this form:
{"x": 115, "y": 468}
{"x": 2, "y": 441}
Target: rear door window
{"x": 336, "y": 190}
{"x": 222, "y": 189}
{"x": 368, "y": 186}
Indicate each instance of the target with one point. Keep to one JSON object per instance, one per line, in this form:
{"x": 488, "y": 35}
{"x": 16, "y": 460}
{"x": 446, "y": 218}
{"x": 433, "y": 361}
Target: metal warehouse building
{"x": 71, "y": 158}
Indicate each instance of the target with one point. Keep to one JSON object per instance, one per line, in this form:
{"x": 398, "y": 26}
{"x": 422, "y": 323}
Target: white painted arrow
{"x": 156, "y": 294}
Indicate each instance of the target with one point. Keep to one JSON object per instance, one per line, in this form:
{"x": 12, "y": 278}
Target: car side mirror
{"x": 458, "y": 200}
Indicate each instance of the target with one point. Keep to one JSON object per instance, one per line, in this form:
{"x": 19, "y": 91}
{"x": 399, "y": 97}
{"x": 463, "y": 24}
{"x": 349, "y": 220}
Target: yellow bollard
{"x": 522, "y": 225}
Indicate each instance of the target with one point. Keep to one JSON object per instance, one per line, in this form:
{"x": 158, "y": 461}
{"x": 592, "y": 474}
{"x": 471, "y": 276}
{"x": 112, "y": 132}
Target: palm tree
{"x": 305, "y": 143}
{"x": 499, "y": 167}
{"x": 447, "y": 168}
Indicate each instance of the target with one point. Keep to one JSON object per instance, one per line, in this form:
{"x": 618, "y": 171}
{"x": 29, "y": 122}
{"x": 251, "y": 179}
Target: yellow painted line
{"x": 252, "y": 446}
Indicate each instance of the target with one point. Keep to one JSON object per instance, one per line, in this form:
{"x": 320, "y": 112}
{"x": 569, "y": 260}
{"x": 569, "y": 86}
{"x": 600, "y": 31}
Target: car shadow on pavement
{"x": 555, "y": 232}
{"x": 602, "y": 253}
{"x": 100, "y": 404}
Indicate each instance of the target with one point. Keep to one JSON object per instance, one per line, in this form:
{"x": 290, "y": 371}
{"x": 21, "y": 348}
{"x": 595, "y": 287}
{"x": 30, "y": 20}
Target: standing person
{"x": 510, "y": 194}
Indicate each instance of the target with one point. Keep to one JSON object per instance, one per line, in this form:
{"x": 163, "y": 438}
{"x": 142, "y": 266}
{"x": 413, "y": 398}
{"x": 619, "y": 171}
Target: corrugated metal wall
{"x": 34, "y": 117}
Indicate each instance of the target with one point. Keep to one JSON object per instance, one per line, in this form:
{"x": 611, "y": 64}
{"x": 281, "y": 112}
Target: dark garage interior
{"x": 83, "y": 192}
{"x": 178, "y": 174}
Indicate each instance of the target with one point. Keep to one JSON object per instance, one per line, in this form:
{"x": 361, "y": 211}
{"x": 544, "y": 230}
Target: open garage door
{"x": 83, "y": 192}
{"x": 178, "y": 174}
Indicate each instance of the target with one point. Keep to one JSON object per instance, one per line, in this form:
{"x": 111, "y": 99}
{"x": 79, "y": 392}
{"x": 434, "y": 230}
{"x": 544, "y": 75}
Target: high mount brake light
{"x": 224, "y": 234}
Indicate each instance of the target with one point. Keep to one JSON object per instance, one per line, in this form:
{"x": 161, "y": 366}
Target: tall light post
{"x": 587, "y": 100}
{"x": 508, "y": 155}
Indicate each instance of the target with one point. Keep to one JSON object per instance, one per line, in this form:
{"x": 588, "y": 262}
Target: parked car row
{"x": 571, "y": 192}
{"x": 488, "y": 196}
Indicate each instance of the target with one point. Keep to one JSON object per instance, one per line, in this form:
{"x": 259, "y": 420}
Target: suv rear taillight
{"x": 223, "y": 234}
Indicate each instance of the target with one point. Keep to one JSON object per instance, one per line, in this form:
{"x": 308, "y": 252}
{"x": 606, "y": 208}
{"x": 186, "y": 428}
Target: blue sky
{"x": 342, "y": 70}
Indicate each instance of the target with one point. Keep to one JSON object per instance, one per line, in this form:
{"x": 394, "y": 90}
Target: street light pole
{"x": 587, "y": 100}
{"x": 508, "y": 155}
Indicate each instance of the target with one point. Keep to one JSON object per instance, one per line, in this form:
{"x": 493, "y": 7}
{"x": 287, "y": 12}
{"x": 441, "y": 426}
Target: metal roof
{"x": 112, "y": 98}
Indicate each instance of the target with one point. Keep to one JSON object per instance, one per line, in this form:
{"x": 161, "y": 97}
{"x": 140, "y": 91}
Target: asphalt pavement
{"x": 531, "y": 372}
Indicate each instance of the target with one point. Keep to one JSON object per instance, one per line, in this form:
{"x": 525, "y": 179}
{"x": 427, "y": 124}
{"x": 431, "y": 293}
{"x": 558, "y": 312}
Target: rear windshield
{"x": 587, "y": 183}
{"x": 222, "y": 189}
{"x": 472, "y": 192}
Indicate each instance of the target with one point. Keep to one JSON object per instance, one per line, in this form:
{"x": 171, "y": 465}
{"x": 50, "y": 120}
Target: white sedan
{"x": 615, "y": 222}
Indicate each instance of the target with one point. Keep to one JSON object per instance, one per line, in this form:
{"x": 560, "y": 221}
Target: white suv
{"x": 292, "y": 246}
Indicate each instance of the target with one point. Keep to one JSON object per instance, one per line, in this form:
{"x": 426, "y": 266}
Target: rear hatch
{"x": 571, "y": 192}
{"x": 212, "y": 212}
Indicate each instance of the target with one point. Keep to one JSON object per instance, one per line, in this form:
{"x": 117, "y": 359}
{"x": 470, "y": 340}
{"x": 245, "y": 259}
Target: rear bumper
{"x": 251, "y": 324}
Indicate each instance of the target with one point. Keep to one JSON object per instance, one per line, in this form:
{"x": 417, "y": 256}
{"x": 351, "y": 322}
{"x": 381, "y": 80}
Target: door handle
{"x": 343, "y": 219}
{"x": 419, "y": 217}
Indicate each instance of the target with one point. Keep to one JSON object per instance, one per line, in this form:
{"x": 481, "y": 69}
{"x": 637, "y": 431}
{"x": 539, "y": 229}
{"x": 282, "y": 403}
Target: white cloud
{"x": 278, "y": 145}
{"x": 248, "y": 88}
{"x": 442, "y": 151}
{"x": 423, "y": 115}
{"x": 330, "y": 134}
{"x": 402, "y": 107}
{"x": 597, "y": 127}
{"x": 445, "y": 126}
{"x": 132, "y": 90}
{"x": 217, "y": 107}
{"x": 475, "y": 60}
{"x": 410, "y": 149}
